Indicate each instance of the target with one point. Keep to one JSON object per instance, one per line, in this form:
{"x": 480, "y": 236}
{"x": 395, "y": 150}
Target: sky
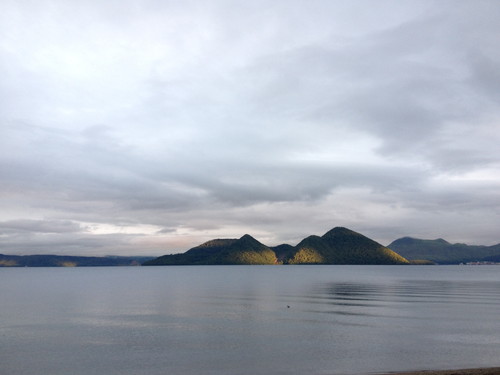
{"x": 148, "y": 127}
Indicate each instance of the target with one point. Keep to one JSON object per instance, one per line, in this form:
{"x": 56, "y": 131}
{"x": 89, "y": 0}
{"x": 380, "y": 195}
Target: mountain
{"x": 343, "y": 246}
{"x": 443, "y": 252}
{"x": 246, "y": 250}
{"x": 338, "y": 246}
{"x": 68, "y": 261}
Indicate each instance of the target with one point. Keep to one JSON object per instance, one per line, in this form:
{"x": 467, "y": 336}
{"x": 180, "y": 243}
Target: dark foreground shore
{"x": 475, "y": 371}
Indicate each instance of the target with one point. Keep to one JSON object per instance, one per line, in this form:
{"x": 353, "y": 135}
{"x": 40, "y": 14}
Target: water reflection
{"x": 410, "y": 291}
{"x": 403, "y": 299}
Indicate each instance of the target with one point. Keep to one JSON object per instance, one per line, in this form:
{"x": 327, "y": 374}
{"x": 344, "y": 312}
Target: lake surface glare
{"x": 248, "y": 319}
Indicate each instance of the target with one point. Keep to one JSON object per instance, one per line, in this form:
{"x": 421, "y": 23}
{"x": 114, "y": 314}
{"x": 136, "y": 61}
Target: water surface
{"x": 247, "y": 319}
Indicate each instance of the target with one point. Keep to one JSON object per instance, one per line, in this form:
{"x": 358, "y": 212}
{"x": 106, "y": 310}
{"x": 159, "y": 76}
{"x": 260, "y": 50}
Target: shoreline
{"x": 472, "y": 371}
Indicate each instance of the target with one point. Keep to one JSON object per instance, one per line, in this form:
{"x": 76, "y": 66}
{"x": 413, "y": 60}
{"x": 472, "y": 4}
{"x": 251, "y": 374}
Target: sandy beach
{"x": 476, "y": 371}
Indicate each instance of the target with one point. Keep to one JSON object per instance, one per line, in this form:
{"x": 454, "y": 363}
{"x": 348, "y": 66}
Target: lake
{"x": 247, "y": 319}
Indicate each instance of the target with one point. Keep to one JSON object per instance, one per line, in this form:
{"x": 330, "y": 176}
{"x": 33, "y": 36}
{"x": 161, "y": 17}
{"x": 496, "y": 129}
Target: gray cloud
{"x": 150, "y": 127}
{"x": 41, "y": 226}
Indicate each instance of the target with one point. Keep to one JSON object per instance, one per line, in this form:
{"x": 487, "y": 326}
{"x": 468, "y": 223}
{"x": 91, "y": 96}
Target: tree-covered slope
{"x": 246, "y": 250}
{"x": 283, "y": 252}
{"x": 338, "y": 246}
{"x": 443, "y": 252}
{"x": 344, "y": 246}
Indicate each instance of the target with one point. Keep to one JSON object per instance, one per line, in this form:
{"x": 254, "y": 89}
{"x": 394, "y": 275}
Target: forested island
{"x": 337, "y": 246}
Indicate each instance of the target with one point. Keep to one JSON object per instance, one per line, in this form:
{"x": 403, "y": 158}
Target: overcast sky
{"x": 151, "y": 126}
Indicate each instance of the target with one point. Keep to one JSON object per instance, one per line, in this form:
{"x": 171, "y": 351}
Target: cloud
{"x": 169, "y": 124}
{"x": 41, "y": 226}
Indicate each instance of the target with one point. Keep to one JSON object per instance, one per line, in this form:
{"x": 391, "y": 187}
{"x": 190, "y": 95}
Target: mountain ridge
{"x": 338, "y": 246}
{"x": 443, "y": 252}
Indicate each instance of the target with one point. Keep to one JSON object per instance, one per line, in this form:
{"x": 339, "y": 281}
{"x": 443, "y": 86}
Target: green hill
{"x": 344, "y": 246}
{"x": 443, "y": 252}
{"x": 338, "y": 246}
{"x": 246, "y": 250}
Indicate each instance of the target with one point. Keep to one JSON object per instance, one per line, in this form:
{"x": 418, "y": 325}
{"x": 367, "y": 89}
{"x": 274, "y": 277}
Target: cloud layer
{"x": 147, "y": 127}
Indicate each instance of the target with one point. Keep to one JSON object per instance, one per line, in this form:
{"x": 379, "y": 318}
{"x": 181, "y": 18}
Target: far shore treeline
{"x": 337, "y": 246}
{"x": 47, "y": 260}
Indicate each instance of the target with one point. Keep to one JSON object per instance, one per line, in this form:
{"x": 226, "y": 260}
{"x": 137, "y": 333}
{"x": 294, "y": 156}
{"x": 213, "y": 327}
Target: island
{"x": 338, "y": 246}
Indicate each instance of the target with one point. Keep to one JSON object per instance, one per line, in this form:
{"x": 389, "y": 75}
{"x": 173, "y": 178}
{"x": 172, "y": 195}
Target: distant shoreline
{"x": 474, "y": 371}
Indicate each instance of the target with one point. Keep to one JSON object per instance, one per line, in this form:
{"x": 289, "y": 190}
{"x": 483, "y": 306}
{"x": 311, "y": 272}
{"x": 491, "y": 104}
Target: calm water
{"x": 236, "y": 319}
